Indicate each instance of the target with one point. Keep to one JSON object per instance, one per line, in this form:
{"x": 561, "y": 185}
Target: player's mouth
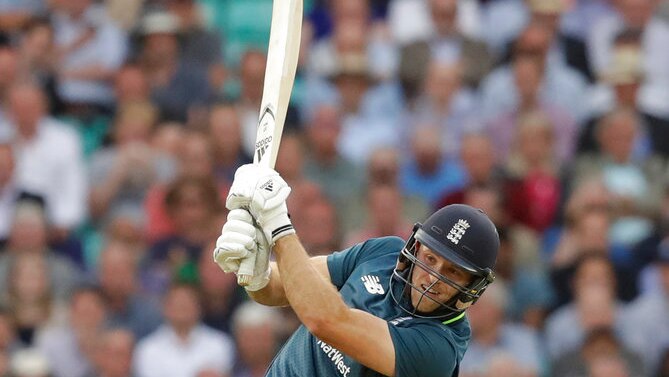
{"x": 431, "y": 291}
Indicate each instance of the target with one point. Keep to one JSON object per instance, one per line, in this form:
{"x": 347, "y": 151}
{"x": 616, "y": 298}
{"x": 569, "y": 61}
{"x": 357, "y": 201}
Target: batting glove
{"x": 263, "y": 192}
{"x": 239, "y": 239}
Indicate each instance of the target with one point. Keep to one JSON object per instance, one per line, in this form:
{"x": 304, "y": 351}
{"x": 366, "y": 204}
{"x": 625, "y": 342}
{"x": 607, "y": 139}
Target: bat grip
{"x": 245, "y": 272}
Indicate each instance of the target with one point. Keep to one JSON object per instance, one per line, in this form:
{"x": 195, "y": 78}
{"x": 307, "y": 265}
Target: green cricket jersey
{"x": 362, "y": 273}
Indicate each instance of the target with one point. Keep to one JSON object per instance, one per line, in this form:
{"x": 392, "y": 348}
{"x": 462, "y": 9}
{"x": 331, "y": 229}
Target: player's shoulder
{"x": 383, "y": 245}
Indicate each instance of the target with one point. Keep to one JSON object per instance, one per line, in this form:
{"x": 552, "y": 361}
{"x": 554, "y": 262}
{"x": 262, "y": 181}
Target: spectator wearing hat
{"x": 618, "y": 86}
{"x": 642, "y": 16}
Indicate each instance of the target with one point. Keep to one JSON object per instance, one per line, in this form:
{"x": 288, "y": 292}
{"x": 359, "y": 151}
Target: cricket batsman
{"x": 384, "y": 307}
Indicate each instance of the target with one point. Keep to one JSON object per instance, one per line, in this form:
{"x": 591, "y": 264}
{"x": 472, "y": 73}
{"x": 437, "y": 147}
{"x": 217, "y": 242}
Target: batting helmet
{"x": 463, "y": 235}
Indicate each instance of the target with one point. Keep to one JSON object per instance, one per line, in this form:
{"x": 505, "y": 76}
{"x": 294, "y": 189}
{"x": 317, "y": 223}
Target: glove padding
{"x": 263, "y": 192}
{"x": 240, "y": 238}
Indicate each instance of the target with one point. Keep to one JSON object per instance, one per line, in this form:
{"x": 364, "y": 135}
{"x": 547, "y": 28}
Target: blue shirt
{"x": 362, "y": 273}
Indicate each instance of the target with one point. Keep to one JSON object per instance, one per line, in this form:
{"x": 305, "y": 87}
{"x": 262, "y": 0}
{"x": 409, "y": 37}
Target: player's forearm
{"x": 314, "y": 299}
{"x": 273, "y": 294}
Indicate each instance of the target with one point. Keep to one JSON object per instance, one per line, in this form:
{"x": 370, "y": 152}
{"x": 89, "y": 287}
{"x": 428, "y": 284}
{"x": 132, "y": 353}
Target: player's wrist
{"x": 276, "y": 224}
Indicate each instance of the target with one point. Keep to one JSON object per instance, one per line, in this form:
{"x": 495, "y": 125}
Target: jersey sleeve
{"x": 342, "y": 263}
{"x": 422, "y": 352}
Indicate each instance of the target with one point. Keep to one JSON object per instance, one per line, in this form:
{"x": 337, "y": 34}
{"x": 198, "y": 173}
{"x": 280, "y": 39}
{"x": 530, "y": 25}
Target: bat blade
{"x": 282, "y": 55}
{"x": 280, "y": 71}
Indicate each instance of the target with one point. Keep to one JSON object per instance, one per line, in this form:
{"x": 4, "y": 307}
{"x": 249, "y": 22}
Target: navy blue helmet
{"x": 463, "y": 235}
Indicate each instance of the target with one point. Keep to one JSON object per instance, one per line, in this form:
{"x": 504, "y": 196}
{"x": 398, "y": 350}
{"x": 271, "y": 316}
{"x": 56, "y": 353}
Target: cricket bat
{"x": 282, "y": 54}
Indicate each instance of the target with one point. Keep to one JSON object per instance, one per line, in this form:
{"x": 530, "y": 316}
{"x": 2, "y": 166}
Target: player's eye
{"x": 430, "y": 259}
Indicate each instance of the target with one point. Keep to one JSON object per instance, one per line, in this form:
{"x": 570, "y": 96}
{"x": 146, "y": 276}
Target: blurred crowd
{"x": 122, "y": 123}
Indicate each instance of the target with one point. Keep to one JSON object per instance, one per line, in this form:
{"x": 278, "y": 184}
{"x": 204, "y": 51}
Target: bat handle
{"x": 245, "y": 272}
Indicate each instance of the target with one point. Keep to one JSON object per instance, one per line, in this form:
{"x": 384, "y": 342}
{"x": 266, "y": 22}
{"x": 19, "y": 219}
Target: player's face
{"x": 429, "y": 284}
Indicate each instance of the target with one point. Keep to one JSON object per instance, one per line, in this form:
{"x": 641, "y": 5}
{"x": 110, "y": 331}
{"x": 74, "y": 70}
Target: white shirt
{"x": 51, "y": 165}
{"x": 411, "y": 21}
{"x": 163, "y": 354}
{"x": 106, "y": 49}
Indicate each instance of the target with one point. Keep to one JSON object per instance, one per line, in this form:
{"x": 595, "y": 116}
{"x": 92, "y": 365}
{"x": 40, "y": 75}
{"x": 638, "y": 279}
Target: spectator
{"x": 444, "y": 103}
{"x": 118, "y": 278}
{"x": 113, "y": 354}
{"x": 383, "y": 169}
{"x": 30, "y": 297}
{"x": 131, "y": 85}
{"x": 194, "y": 207}
{"x": 618, "y": 87}
{"x": 594, "y": 305}
{"x": 28, "y": 237}
{"x": 446, "y": 43}
{"x": 251, "y": 76}
{"x": 562, "y": 86}
{"x": 195, "y": 155}
{"x": 179, "y": 90}
{"x": 70, "y": 347}
{"x": 354, "y": 31}
{"x": 650, "y": 334}
{"x": 493, "y": 335}
{"x": 320, "y": 227}
{"x": 639, "y": 15}
{"x": 529, "y": 78}
{"x": 255, "y": 331}
{"x": 481, "y": 168}
{"x": 198, "y": 45}
{"x": 427, "y": 172}
{"x": 220, "y": 293}
{"x": 633, "y": 182}
{"x": 121, "y": 174}
{"x": 226, "y": 135}
{"x": 290, "y": 158}
{"x": 90, "y": 48}
{"x": 384, "y": 205}
{"x": 49, "y": 159}
{"x": 599, "y": 343}
{"x": 534, "y": 174}
{"x": 183, "y": 346}
{"x": 324, "y": 164}
{"x": 36, "y": 52}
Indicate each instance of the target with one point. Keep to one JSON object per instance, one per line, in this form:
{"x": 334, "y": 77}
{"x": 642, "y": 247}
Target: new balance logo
{"x": 373, "y": 284}
{"x": 458, "y": 230}
{"x": 268, "y": 186}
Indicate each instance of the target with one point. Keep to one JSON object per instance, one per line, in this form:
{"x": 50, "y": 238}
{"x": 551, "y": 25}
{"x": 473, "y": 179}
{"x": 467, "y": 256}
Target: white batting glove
{"x": 239, "y": 239}
{"x": 263, "y": 192}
